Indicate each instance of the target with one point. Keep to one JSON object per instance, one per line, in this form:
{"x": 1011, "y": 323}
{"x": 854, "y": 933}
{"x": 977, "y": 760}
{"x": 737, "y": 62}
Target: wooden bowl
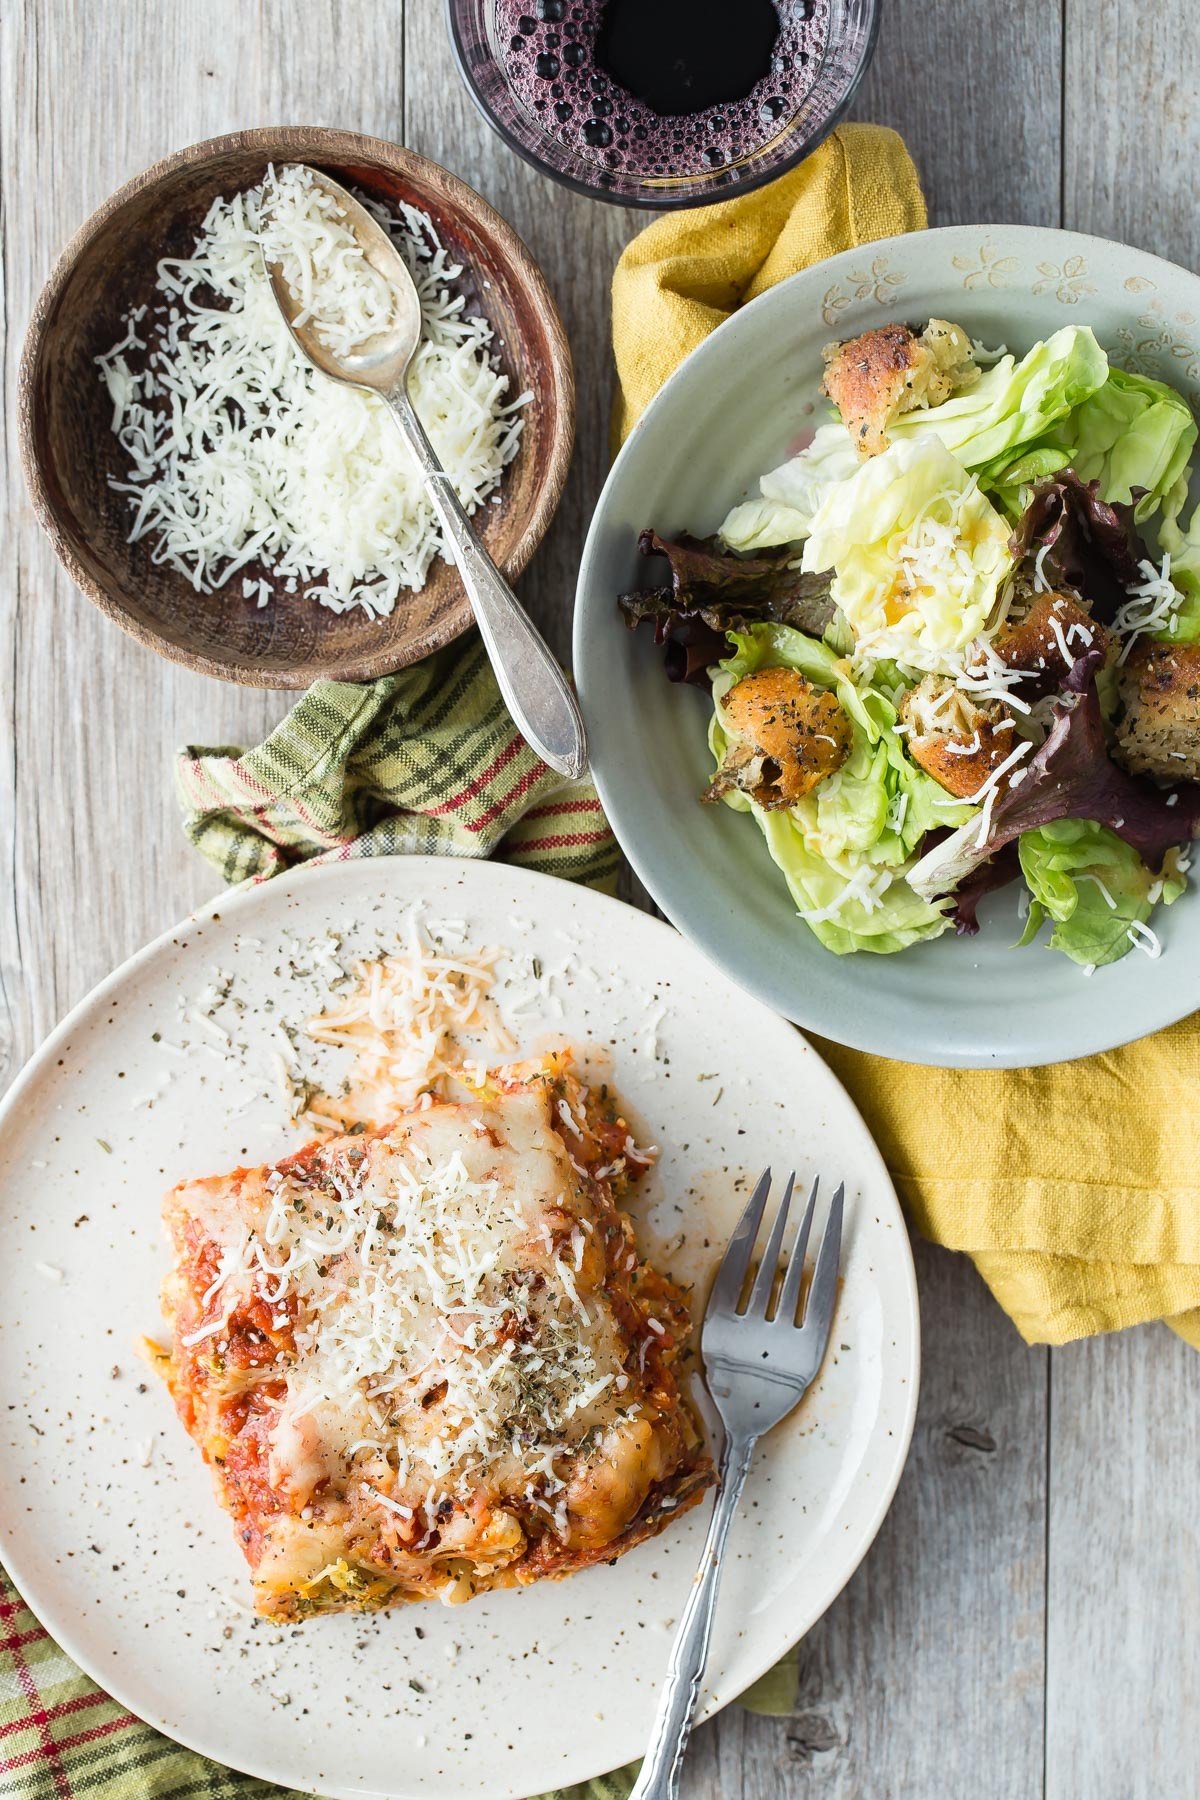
{"x": 68, "y": 449}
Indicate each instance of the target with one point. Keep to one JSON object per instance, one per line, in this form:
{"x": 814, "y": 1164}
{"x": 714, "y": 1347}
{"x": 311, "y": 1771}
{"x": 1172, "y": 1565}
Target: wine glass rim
{"x": 655, "y": 199}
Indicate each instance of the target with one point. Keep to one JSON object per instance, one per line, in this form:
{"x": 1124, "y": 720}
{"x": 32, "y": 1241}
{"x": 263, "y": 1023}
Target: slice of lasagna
{"x": 428, "y": 1359}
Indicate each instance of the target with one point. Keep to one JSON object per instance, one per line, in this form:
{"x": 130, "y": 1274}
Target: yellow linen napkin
{"x": 1075, "y": 1189}
{"x": 685, "y": 274}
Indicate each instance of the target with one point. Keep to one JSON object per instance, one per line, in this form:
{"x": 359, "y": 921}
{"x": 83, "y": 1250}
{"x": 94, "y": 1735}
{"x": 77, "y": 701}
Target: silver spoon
{"x": 534, "y": 688}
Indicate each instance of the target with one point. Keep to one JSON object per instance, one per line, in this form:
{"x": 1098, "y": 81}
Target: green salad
{"x": 954, "y": 642}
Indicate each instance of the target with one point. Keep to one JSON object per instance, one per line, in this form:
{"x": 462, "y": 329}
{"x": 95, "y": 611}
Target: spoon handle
{"x": 535, "y": 690}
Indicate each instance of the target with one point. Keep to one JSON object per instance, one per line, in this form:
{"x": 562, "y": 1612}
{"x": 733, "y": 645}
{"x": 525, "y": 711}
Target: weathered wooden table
{"x": 1026, "y": 1622}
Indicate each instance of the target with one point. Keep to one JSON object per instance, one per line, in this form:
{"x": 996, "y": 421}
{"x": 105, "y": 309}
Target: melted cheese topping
{"x": 422, "y": 1358}
{"x": 450, "y": 1322}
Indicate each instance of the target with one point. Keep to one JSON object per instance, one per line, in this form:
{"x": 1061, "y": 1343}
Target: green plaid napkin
{"x": 428, "y": 762}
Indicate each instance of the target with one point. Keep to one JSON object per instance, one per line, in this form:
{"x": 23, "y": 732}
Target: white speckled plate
{"x": 107, "y": 1522}
{"x": 732, "y": 411}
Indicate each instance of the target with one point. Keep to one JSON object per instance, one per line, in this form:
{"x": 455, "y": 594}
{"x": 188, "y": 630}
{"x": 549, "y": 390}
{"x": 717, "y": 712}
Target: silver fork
{"x": 757, "y": 1369}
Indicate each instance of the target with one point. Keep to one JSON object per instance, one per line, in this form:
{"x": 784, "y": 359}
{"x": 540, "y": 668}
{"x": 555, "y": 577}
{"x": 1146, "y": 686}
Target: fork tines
{"x": 735, "y": 1265}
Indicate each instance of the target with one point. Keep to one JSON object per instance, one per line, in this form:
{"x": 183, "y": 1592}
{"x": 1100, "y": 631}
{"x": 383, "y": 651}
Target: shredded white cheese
{"x": 417, "y": 1308}
{"x": 1152, "y": 606}
{"x": 1105, "y": 892}
{"x": 985, "y": 794}
{"x": 244, "y": 458}
{"x": 897, "y": 812}
{"x": 404, "y": 1017}
{"x": 866, "y": 886}
{"x": 1144, "y": 939}
{"x": 975, "y": 669}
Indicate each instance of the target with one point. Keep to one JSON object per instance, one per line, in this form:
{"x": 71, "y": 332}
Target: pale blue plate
{"x": 732, "y": 411}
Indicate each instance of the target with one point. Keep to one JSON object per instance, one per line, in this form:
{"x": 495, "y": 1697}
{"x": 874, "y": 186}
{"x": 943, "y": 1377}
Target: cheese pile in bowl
{"x": 244, "y": 462}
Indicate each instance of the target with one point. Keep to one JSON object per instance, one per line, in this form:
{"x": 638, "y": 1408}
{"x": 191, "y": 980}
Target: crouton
{"x": 787, "y": 736}
{"x": 1158, "y": 729}
{"x": 874, "y": 378}
{"x": 1046, "y": 636}
{"x": 957, "y": 740}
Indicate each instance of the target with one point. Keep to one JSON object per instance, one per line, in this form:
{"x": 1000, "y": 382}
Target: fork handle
{"x": 534, "y": 688}
{"x": 659, "y": 1778}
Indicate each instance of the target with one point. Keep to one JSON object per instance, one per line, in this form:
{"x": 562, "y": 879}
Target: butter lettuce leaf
{"x": 1092, "y": 886}
{"x": 918, "y": 552}
{"x": 1133, "y": 433}
{"x": 791, "y": 493}
{"x": 895, "y": 921}
{"x": 1132, "y": 440}
{"x": 1015, "y": 405}
{"x": 842, "y": 849}
{"x": 1064, "y": 405}
{"x": 1183, "y": 549}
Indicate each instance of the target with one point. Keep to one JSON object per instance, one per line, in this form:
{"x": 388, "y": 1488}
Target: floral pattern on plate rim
{"x": 1158, "y": 339}
{"x": 878, "y": 282}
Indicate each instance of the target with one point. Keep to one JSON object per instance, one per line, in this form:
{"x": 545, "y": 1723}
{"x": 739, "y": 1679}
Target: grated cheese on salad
{"x": 243, "y": 458}
{"x": 1153, "y": 605}
{"x": 865, "y": 887}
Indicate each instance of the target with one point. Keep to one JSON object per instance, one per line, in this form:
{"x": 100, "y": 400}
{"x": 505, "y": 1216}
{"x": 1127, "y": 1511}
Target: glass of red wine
{"x": 663, "y": 103}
